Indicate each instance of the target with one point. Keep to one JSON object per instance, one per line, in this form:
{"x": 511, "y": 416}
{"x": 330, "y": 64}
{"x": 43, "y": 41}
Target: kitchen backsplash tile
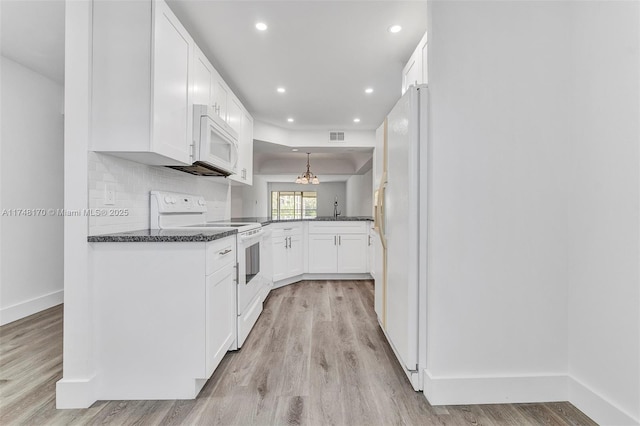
{"x": 132, "y": 182}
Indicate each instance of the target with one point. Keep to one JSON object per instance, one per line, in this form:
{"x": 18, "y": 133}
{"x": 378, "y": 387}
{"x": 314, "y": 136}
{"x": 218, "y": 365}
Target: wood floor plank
{"x": 316, "y": 356}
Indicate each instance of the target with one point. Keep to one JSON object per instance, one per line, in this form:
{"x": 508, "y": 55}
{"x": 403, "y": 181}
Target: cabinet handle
{"x": 369, "y": 240}
{"x": 339, "y": 240}
{"x": 237, "y": 273}
{"x": 289, "y": 242}
{"x": 335, "y": 240}
{"x": 286, "y": 242}
{"x": 223, "y": 253}
{"x": 287, "y": 229}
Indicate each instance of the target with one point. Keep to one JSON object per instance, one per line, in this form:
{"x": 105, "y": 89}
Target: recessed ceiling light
{"x": 394, "y": 29}
{"x": 368, "y": 90}
{"x": 281, "y": 89}
{"x": 294, "y": 149}
{"x": 290, "y": 120}
{"x": 356, "y": 120}
{"x": 261, "y": 26}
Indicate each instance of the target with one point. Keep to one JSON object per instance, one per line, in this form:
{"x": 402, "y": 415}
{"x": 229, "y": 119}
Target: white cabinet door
{"x": 279, "y": 252}
{"x": 323, "y": 251}
{"x": 412, "y": 73}
{"x": 220, "y": 96}
{"x": 240, "y": 120}
{"x": 415, "y": 71}
{"x": 220, "y": 316}
{"x": 202, "y": 76}
{"x": 247, "y": 160}
{"x": 295, "y": 256}
{"x": 234, "y": 115}
{"x": 352, "y": 253}
{"x": 173, "y": 49}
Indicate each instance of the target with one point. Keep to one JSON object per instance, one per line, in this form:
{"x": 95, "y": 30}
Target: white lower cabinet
{"x": 323, "y": 252}
{"x": 288, "y": 250}
{"x": 338, "y": 253}
{"x": 302, "y": 249}
{"x": 220, "y": 316}
{"x": 352, "y": 253}
{"x": 338, "y": 247}
{"x": 165, "y": 315}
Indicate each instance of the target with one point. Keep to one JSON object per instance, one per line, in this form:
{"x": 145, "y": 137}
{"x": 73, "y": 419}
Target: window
{"x": 293, "y": 205}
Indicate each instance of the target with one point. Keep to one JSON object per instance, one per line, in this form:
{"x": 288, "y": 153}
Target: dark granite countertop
{"x": 162, "y": 236}
{"x": 266, "y": 220}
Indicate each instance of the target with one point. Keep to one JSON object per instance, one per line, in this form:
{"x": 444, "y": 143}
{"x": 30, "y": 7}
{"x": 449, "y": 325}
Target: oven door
{"x": 218, "y": 143}
{"x": 250, "y": 281}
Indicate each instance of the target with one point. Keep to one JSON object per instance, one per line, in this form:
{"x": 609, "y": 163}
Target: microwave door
{"x": 215, "y": 148}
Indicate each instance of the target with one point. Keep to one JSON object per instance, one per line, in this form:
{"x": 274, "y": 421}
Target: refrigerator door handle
{"x": 380, "y": 210}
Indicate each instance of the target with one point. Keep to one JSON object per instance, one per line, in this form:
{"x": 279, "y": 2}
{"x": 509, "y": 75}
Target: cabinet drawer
{"x": 220, "y": 254}
{"x": 338, "y": 227}
{"x": 285, "y": 229}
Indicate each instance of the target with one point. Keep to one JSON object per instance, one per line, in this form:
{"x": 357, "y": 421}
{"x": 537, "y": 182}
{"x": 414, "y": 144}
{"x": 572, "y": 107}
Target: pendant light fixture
{"x": 308, "y": 177}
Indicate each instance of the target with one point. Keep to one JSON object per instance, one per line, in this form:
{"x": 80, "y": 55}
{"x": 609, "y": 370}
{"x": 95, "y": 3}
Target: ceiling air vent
{"x": 336, "y": 136}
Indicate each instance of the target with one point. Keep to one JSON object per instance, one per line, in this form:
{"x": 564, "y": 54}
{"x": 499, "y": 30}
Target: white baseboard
{"x": 75, "y": 393}
{"x": 30, "y": 307}
{"x": 494, "y": 390}
{"x": 336, "y": 277}
{"x": 595, "y": 406}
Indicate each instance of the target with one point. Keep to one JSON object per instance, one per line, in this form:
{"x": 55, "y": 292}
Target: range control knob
{"x": 173, "y": 200}
{"x": 167, "y": 199}
{"x": 201, "y": 202}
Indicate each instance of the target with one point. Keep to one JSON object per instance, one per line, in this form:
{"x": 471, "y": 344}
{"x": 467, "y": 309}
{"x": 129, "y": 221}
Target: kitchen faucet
{"x": 336, "y": 213}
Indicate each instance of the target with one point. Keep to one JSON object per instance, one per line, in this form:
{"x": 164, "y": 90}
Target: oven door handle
{"x": 254, "y": 235}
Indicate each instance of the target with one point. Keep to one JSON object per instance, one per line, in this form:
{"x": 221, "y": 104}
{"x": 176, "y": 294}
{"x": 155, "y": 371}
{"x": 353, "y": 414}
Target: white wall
{"x": 534, "y": 246}
{"x": 497, "y": 297}
{"x": 312, "y": 138}
{"x": 360, "y": 195}
{"x": 133, "y": 182}
{"x": 604, "y": 252}
{"x": 326, "y": 195}
{"x": 31, "y": 265}
{"x": 251, "y": 201}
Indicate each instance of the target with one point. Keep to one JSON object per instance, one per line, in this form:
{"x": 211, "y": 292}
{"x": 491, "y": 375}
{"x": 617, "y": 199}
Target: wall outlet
{"x": 109, "y": 194}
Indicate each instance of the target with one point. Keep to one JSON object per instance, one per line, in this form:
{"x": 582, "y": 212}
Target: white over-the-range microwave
{"x": 215, "y": 145}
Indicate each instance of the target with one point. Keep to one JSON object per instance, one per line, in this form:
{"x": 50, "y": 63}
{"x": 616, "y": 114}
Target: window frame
{"x": 299, "y": 212}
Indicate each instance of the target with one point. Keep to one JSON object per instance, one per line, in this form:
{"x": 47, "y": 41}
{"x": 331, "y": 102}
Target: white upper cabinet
{"x": 147, "y": 75}
{"x": 141, "y": 91}
{"x": 202, "y": 78}
{"x": 220, "y": 96}
{"x": 244, "y": 126}
{"x": 247, "y": 157}
{"x": 234, "y": 115}
{"x": 416, "y": 71}
{"x": 172, "y": 62}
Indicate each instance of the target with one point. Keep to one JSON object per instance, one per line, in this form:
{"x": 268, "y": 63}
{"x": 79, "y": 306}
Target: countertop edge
{"x": 171, "y": 237}
{"x": 266, "y": 221}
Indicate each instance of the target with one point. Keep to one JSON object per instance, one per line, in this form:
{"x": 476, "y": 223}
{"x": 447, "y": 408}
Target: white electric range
{"x": 176, "y": 211}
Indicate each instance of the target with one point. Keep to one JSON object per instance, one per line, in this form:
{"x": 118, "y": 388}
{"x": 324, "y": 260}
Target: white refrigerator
{"x": 401, "y": 218}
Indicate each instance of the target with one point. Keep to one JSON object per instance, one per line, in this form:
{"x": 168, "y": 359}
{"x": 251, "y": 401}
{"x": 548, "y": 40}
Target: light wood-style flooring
{"x": 316, "y": 357}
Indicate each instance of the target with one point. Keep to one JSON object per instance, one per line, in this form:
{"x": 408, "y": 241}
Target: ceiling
{"x": 324, "y": 53}
{"x": 32, "y": 34}
{"x": 272, "y": 159}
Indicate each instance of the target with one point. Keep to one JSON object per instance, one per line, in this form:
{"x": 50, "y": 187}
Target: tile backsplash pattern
{"x": 132, "y": 183}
